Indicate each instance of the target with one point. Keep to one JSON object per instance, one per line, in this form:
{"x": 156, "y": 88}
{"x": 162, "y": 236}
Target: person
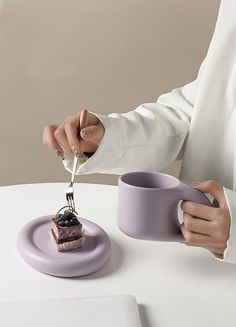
{"x": 194, "y": 123}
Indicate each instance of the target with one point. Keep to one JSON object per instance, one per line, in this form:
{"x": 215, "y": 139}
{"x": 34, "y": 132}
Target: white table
{"x": 175, "y": 285}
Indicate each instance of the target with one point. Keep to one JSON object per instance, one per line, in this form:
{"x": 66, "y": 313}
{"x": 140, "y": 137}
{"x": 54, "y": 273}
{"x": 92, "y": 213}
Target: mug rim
{"x": 170, "y": 177}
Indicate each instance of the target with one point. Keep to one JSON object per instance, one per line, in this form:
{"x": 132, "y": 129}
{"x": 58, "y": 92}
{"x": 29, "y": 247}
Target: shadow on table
{"x": 143, "y": 315}
{"x": 114, "y": 263}
{"x": 204, "y": 264}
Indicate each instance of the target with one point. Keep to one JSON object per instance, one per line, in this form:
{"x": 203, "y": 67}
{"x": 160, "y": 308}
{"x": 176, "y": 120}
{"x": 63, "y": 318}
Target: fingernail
{"x": 79, "y": 155}
{"x": 85, "y": 134}
{"x": 82, "y": 158}
{"x": 195, "y": 183}
{"x": 60, "y": 154}
{"x": 75, "y": 151}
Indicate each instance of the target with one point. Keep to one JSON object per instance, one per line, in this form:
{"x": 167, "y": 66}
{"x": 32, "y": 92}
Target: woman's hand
{"x": 65, "y": 136}
{"x": 205, "y": 226}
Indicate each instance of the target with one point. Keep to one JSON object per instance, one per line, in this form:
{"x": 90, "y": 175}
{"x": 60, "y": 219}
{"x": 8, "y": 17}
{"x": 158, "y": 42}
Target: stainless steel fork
{"x": 70, "y": 189}
{"x": 79, "y": 157}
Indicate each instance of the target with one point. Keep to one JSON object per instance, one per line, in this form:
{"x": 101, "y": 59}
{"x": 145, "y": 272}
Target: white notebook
{"x": 104, "y": 311}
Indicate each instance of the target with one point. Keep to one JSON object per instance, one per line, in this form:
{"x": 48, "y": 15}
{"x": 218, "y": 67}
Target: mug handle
{"x": 187, "y": 193}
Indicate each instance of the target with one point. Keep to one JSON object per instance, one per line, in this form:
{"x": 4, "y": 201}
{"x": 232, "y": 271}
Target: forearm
{"x": 147, "y": 138}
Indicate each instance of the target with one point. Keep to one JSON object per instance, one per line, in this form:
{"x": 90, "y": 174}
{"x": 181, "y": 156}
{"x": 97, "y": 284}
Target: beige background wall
{"x": 57, "y": 56}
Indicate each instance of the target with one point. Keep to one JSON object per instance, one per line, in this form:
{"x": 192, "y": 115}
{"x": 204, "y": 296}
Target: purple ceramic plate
{"x": 36, "y": 248}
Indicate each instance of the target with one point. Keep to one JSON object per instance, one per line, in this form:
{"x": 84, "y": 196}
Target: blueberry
{"x": 62, "y": 217}
{"x": 67, "y": 223}
{"x": 61, "y": 223}
{"x": 74, "y": 221}
{"x": 68, "y": 213}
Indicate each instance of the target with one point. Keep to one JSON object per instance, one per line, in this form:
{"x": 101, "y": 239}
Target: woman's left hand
{"x": 206, "y": 226}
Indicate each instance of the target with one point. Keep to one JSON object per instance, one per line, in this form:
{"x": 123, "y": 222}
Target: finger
{"x": 196, "y": 239}
{"x": 83, "y": 119}
{"x": 218, "y": 251}
{"x": 61, "y": 138}
{"x": 214, "y": 189}
{"x": 198, "y": 210}
{"x": 71, "y": 131}
{"x": 89, "y": 146}
{"x": 92, "y": 133}
{"x": 196, "y": 225}
{"x": 49, "y": 140}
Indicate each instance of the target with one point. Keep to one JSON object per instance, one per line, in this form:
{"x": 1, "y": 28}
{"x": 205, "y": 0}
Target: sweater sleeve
{"x": 230, "y": 251}
{"x": 147, "y": 138}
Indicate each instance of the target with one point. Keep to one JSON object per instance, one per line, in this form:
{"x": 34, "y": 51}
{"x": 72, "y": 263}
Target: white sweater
{"x": 195, "y": 123}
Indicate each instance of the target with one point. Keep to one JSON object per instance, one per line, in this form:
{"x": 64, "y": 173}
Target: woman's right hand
{"x": 66, "y": 136}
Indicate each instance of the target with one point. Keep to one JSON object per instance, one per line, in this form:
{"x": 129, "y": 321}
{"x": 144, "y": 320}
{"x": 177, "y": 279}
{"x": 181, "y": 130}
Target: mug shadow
{"x": 204, "y": 264}
{"x": 143, "y": 315}
{"x": 114, "y": 263}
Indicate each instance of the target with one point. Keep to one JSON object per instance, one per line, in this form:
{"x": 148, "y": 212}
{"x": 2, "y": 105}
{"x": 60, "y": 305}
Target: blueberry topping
{"x": 61, "y": 223}
{"x": 74, "y": 221}
{"x": 68, "y": 212}
{"x": 67, "y": 223}
{"x": 69, "y": 215}
{"x": 59, "y": 217}
{"x": 67, "y": 219}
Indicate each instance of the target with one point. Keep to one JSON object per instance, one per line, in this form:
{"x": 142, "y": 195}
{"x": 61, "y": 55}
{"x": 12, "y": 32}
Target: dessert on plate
{"x": 67, "y": 231}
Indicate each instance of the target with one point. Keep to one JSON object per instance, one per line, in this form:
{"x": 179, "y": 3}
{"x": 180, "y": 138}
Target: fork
{"x": 77, "y": 157}
{"x": 70, "y": 189}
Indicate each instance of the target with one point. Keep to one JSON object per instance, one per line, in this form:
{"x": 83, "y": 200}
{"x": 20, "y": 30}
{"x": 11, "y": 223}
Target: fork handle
{"x": 82, "y": 123}
{"x": 75, "y": 163}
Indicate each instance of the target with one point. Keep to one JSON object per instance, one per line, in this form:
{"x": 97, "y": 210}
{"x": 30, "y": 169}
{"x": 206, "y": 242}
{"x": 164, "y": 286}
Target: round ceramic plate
{"x": 36, "y": 248}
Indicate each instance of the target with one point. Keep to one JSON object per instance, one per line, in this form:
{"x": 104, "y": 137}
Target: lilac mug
{"x": 148, "y": 205}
